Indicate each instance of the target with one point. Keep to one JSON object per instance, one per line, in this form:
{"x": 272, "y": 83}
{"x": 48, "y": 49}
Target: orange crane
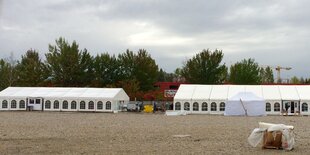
{"x": 278, "y": 69}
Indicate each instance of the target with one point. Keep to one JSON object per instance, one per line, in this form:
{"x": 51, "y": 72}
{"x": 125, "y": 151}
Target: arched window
{"x": 13, "y": 104}
{"x": 108, "y": 105}
{"x": 204, "y": 106}
{"x": 222, "y": 106}
{"x": 91, "y": 105}
{"x": 99, "y": 105}
{"x": 304, "y": 107}
{"x": 47, "y": 104}
{"x": 177, "y": 106}
{"x": 82, "y": 105}
{"x": 186, "y": 106}
{"x": 56, "y": 104}
{"x": 195, "y": 106}
{"x": 22, "y": 104}
{"x": 73, "y": 105}
{"x": 276, "y": 107}
{"x": 4, "y": 104}
{"x": 65, "y": 104}
{"x": 213, "y": 106}
{"x": 268, "y": 106}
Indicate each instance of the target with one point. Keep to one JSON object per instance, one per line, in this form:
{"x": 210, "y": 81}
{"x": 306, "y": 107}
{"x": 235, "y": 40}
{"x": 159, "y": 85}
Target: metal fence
{"x": 137, "y": 106}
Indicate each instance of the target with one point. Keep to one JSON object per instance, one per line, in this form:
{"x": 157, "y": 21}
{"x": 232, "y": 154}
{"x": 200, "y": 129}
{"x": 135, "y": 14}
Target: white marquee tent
{"x": 63, "y": 99}
{"x": 245, "y": 104}
{"x": 212, "y": 99}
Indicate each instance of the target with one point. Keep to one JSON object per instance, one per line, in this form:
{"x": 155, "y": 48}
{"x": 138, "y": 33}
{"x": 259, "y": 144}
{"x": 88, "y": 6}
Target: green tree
{"x": 7, "y": 72}
{"x": 205, "y": 68}
{"x": 245, "y": 72}
{"x": 68, "y": 65}
{"x": 5, "y": 69}
{"x": 141, "y": 67}
{"x": 302, "y": 80}
{"x": 131, "y": 87}
{"x": 266, "y": 75}
{"x": 106, "y": 70}
{"x": 269, "y": 78}
{"x": 294, "y": 80}
{"x": 31, "y": 71}
{"x": 165, "y": 77}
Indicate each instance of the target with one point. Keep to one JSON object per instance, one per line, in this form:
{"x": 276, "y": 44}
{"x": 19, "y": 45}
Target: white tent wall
{"x": 274, "y": 95}
{"x": 200, "y": 95}
{"x": 186, "y": 106}
{"x": 304, "y": 92}
{"x": 215, "y": 106}
{"x": 13, "y": 103}
{"x": 203, "y": 107}
{"x": 273, "y": 110}
{"x": 304, "y": 107}
{"x": 60, "y": 99}
{"x": 52, "y": 102}
{"x": 77, "y": 102}
{"x": 218, "y": 97}
{"x": 245, "y": 103}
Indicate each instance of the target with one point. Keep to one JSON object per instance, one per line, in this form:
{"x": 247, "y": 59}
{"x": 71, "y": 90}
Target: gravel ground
{"x": 137, "y": 133}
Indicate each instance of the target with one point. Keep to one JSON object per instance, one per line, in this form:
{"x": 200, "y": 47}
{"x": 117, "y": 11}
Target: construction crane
{"x": 278, "y": 69}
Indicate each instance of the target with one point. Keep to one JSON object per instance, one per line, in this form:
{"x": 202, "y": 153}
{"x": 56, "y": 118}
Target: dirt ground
{"x": 137, "y": 133}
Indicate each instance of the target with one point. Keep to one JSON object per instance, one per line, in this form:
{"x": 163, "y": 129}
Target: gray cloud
{"x": 274, "y": 32}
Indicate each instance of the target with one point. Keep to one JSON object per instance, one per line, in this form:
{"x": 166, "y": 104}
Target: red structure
{"x": 168, "y": 89}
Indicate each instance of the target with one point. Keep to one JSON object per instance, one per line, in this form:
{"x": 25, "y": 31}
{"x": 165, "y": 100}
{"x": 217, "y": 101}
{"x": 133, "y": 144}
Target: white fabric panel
{"x": 219, "y": 92}
{"x": 288, "y": 93}
{"x": 255, "y": 89}
{"x": 185, "y": 92}
{"x": 202, "y": 92}
{"x": 245, "y": 101}
{"x": 271, "y": 92}
{"x": 234, "y": 89}
{"x": 58, "y": 92}
{"x": 304, "y": 92}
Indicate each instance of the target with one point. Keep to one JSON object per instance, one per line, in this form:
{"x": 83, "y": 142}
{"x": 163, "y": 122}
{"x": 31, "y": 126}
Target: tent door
{"x": 35, "y": 103}
{"x": 291, "y": 107}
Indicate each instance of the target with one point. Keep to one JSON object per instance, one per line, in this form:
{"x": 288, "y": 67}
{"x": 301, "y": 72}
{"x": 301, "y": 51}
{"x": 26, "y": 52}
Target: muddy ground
{"x": 138, "y": 133}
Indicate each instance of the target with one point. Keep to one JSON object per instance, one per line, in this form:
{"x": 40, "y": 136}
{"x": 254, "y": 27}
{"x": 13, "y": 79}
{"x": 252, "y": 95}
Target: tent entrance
{"x": 290, "y": 107}
{"x": 34, "y": 103}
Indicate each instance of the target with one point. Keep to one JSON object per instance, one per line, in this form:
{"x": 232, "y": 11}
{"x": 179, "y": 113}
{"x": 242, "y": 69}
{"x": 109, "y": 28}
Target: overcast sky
{"x": 273, "y": 32}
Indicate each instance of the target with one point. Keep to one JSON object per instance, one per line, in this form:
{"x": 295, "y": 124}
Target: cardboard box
{"x": 272, "y": 140}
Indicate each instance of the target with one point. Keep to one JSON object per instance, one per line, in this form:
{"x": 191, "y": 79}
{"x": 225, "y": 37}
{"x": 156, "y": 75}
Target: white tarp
{"x": 245, "y": 103}
{"x": 287, "y": 139}
{"x": 176, "y": 113}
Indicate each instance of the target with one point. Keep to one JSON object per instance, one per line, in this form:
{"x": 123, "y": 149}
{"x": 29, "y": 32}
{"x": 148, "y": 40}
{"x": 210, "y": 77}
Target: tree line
{"x": 66, "y": 65}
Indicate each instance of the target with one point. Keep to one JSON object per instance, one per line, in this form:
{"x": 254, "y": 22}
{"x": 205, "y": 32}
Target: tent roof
{"x": 256, "y": 89}
{"x": 233, "y": 90}
{"x": 185, "y": 93}
{"x": 61, "y": 92}
{"x": 271, "y": 92}
{"x": 223, "y": 92}
{"x": 304, "y": 92}
{"x": 202, "y": 92}
{"x": 219, "y": 92}
{"x": 289, "y": 93}
{"x": 245, "y": 96}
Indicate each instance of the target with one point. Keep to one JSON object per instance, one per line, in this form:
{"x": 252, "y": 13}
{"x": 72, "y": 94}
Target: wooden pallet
{"x": 271, "y": 142}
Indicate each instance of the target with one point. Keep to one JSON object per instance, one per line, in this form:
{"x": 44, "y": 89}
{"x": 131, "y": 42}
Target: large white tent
{"x": 63, "y": 99}
{"x": 212, "y": 99}
{"x": 245, "y": 104}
